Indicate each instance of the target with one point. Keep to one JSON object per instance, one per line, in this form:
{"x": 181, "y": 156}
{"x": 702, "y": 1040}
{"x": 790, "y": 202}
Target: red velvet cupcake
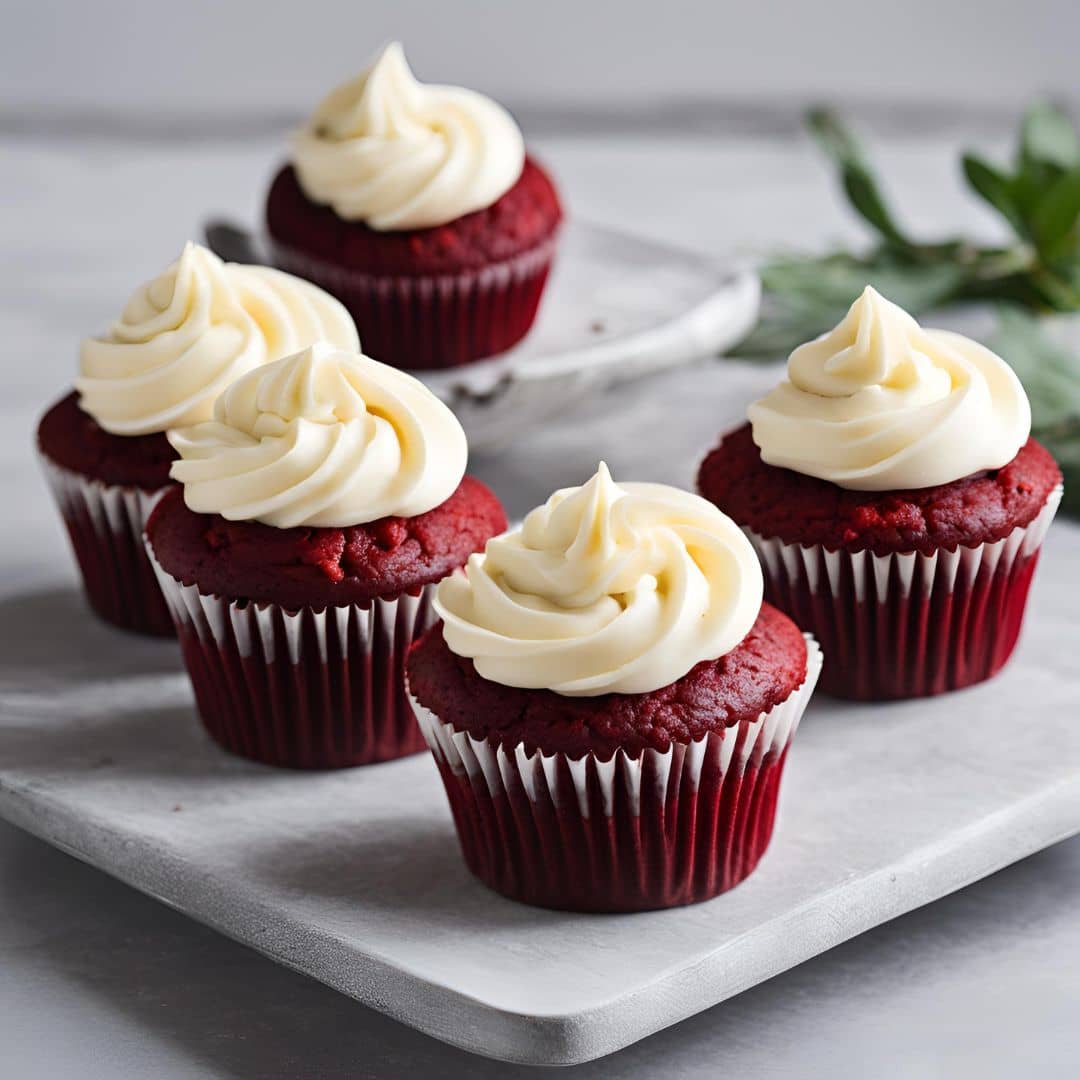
{"x": 609, "y": 703}
{"x": 896, "y": 500}
{"x": 180, "y": 340}
{"x": 416, "y": 206}
{"x": 317, "y": 511}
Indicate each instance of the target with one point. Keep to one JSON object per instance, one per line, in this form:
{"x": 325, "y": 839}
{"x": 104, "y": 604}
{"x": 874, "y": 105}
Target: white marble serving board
{"x": 354, "y": 877}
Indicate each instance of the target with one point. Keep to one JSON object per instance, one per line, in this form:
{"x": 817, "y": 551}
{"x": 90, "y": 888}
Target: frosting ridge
{"x": 606, "y": 588}
{"x": 191, "y": 331}
{"x": 323, "y": 438}
{"x": 395, "y": 153}
{"x": 879, "y": 403}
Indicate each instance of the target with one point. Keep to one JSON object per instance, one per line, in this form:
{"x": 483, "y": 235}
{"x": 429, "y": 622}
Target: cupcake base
{"x": 105, "y": 524}
{"x": 907, "y": 625}
{"x": 301, "y": 689}
{"x": 627, "y": 834}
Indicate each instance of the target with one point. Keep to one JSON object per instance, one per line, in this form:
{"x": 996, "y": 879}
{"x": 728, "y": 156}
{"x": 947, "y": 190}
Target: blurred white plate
{"x": 617, "y": 307}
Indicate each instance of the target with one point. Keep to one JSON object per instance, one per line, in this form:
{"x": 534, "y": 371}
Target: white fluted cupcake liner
{"x": 907, "y": 624}
{"x": 631, "y": 833}
{"x": 105, "y": 523}
{"x": 305, "y": 689}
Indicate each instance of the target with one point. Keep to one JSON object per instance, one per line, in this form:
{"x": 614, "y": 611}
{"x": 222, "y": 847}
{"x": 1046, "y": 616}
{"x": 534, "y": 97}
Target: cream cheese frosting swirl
{"x": 607, "y": 588}
{"x": 186, "y": 335}
{"x": 881, "y": 404}
{"x": 397, "y": 154}
{"x": 291, "y": 313}
{"x": 323, "y": 438}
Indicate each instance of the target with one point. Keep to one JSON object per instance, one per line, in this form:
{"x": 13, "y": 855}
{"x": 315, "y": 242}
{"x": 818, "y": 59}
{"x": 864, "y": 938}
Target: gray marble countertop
{"x": 98, "y": 981}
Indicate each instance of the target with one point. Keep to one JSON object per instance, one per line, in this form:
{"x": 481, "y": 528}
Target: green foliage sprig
{"x": 1039, "y": 270}
{"x": 1050, "y": 372}
{"x": 1035, "y": 275}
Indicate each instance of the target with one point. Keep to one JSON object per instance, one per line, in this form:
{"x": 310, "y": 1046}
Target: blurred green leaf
{"x": 776, "y": 335}
{"x": 1038, "y": 272}
{"x": 1047, "y": 137}
{"x": 1028, "y": 187}
{"x": 1050, "y": 372}
{"x": 1053, "y": 224}
{"x": 1057, "y": 291}
{"x": 858, "y": 180}
{"x": 996, "y": 188}
{"x": 807, "y": 296}
{"x": 862, "y": 190}
{"x": 837, "y": 141}
{"x": 837, "y": 280}
{"x": 1068, "y": 269}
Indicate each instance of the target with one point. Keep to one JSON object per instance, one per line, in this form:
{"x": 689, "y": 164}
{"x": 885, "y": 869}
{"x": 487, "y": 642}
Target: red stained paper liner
{"x": 627, "y": 834}
{"x": 437, "y": 321}
{"x": 907, "y": 625}
{"x": 301, "y": 689}
{"x": 105, "y": 523}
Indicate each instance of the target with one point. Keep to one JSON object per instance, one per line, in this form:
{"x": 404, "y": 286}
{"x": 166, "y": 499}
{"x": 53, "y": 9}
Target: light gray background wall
{"x": 220, "y": 57}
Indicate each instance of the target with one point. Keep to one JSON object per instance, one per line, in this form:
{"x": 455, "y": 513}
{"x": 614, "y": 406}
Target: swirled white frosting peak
{"x": 607, "y": 588}
{"x": 291, "y": 313}
{"x": 325, "y": 437}
{"x": 183, "y": 337}
{"x": 880, "y": 404}
{"x": 396, "y": 154}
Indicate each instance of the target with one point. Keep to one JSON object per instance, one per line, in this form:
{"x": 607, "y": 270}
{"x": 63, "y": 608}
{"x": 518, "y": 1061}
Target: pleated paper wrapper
{"x": 907, "y": 625}
{"x": 304, "y": 689}
{"x": 105, "y": 523}
{"x": 627, "y": 834}
{"x": 426, "y": 322}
